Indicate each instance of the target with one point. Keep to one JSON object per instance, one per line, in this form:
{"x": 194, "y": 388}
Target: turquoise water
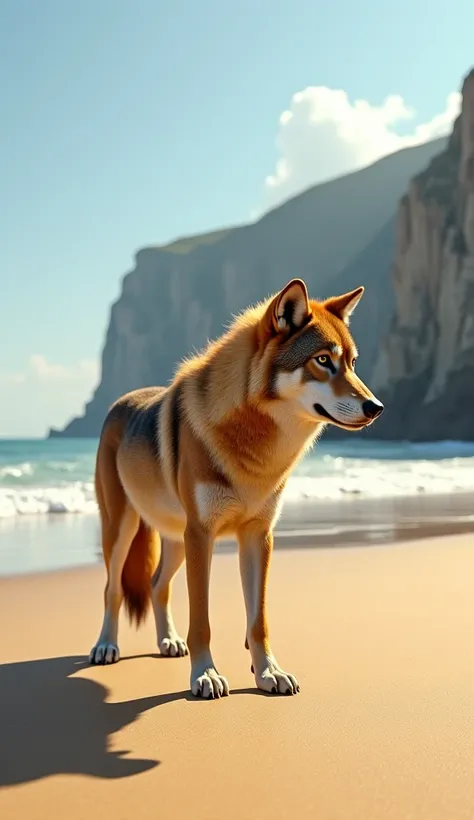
{"x": 46, "y": 477}
{"x": 38, "y": 461}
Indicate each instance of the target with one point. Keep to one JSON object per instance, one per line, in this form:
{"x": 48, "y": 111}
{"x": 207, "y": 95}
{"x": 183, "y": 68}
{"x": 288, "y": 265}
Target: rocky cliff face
{"x": 337, "y": 235}
{"x": 425, "y": 371}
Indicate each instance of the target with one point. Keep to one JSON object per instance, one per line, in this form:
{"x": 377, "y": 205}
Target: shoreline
{"x": 30, "y": 544}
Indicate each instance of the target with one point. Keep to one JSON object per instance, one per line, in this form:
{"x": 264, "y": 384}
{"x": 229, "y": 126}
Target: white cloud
{"x": 41, "y": 369}
{"x": 44, "y": 394}
{"x": 323, "y": 135}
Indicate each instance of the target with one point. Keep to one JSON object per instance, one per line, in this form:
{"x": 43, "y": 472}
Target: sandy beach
{"x": 380, "y": 639}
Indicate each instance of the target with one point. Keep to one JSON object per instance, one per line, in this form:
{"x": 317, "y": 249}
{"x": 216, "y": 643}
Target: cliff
{"x": 425, "y": 372}
{"x": 336, "y": 235}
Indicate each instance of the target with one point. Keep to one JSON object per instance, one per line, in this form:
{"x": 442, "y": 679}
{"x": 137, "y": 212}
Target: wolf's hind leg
{"x": 106, "y": 649}
{"x": 172, "y": 557}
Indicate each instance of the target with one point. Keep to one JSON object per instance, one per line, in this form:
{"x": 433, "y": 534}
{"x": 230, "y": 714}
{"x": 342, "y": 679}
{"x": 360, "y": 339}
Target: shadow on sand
{"x": 54, "y": 723}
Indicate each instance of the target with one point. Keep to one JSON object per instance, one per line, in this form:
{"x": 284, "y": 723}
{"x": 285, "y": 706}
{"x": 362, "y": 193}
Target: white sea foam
{"x": 376, "y": 478}
{"x": 16, "y": 470}
{"x": 327, "y": 477}
{"x": 72, "y": 498}
{"x": 53, "y": 477}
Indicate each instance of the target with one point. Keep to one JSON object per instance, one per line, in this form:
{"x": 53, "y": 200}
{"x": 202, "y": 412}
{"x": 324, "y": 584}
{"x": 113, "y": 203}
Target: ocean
{"x": 51, "y": 477}
{"x": 48, "y": 510}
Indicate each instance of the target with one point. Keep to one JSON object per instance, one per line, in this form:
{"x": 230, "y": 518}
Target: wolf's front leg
{"x": 255, "y": 549}
{"x": 206, "y": 682}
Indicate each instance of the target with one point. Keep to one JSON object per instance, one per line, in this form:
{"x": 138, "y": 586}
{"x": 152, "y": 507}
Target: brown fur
{"x": 209, "y": 456}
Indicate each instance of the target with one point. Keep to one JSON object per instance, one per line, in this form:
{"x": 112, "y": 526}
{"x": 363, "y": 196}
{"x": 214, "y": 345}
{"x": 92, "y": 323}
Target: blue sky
{"x": 130, "y": 123}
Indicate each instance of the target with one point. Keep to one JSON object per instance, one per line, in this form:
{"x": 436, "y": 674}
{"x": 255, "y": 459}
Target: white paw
{"x": 174, "y": 647}
{"x": 104, "y": 653}
{"x": 277, "y": 682}
{"x": 209, "y": 685}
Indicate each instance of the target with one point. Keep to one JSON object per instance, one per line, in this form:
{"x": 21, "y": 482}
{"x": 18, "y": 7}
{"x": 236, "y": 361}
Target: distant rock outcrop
{"x": 425, "y": 372}
{"x": 336, "y": 235}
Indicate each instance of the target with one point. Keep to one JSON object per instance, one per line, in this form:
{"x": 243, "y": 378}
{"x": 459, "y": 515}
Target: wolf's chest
{"x": 226, "y": 509}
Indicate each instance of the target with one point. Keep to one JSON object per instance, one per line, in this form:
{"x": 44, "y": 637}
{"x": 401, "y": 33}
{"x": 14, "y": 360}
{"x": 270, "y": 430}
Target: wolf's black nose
{"x": 372, "y": 409}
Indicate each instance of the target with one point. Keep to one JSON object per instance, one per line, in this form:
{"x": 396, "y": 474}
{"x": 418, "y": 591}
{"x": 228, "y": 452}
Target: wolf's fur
{"x": 208, "y": 456}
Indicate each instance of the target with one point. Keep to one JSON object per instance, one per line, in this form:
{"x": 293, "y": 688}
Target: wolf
{"x": 207, "y": 457}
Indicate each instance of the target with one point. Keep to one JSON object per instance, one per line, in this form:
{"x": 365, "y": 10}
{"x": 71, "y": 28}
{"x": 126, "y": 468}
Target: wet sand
{"x": 381, "y": 641}
{"x": 49, "y": 542}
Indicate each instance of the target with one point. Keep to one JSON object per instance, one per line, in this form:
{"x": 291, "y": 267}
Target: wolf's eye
{"x": 324, "y": 360}
{"x": 353, "y": 364}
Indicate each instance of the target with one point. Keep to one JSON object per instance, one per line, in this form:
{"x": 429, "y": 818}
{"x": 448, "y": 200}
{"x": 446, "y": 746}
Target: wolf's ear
{"x": 290, "y": 308}
{"x": 343, "y": 306}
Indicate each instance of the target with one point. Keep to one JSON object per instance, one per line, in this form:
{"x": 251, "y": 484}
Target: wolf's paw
{"x": 173, "y": 647}
{"x": 103, "y": 653}
{"x": 209, "y": 685}
{"x": 277, "y": 682}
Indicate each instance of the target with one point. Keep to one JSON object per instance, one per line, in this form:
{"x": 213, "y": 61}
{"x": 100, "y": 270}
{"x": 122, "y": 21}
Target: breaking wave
{"x": 56, "y": 477}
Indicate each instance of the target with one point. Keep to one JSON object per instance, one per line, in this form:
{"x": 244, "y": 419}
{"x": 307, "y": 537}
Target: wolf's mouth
{"x": 322, "y": 412}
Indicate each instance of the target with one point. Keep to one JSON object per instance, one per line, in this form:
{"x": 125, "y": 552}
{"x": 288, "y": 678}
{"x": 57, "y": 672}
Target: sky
{"x": 128, "y": 124}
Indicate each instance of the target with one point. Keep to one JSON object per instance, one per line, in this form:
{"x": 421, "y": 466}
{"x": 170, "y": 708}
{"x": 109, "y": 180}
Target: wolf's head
{"x": 311, "y": 358}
